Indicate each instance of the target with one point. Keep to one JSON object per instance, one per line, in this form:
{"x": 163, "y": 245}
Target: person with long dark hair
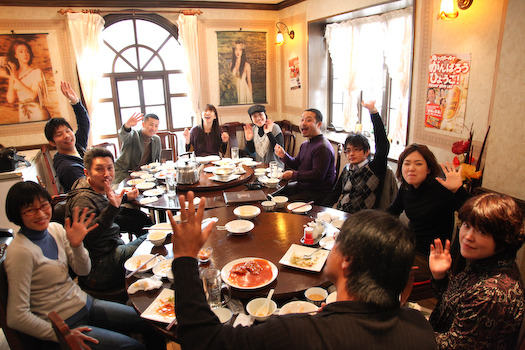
{"x": 428, "y": 200}
{"x": 26, "y": 83}
{"x": 242, "y": 73}
{"x": 207, "y": 138}
{"x": 481, "y": 305}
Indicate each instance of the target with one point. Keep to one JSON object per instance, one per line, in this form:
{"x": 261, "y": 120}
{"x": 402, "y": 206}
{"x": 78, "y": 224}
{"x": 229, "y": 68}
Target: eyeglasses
{"x": 258, "y": 115}
{"x": 355, "y": 150}
{"x": 32, "y": 211}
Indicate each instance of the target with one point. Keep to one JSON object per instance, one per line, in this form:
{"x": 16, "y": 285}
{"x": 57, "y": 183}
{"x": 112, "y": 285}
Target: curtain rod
{"x": 133, "y": 12}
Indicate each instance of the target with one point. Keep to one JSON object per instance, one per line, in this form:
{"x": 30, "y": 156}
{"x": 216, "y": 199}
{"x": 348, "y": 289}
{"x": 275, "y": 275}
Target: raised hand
{"x": 248, "y": 132}
{"x": 452, "y": 180}
{"x": 279, "y": 151}
{"x": 186, "y": 134}
{"x": 132, "y": 194}
{"x": 440, "y": 259}
{"x": 188, "y": 237}
{"x": 134, "y": 120}
{"x": 370, "y": 105}
{"x": 82, "y": 338}
{"x": 77, "y": 227}
{"x": 225, "y": 137}
{"x": 69, "y": 92}
{"x": 113, "y": 198}
{"x": 268, "y": 126}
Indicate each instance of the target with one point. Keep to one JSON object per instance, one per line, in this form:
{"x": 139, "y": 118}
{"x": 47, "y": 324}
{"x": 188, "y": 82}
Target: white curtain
{"x": 188, "y": 38}
{"x": 358, "y": 48}
{"x": 85, "y": 31}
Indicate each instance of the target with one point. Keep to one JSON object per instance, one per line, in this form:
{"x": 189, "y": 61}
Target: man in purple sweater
{"x": 313, "y": 170}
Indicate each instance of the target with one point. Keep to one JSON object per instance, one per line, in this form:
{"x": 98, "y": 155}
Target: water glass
{"x": 273, "y": 169}
{"x": 171, "y": 185}
{"x": 235, "y": 153}
{"x": 213, "y": 288}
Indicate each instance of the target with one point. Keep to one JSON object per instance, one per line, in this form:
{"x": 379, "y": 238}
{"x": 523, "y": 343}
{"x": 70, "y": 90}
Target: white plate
{"x": 301, "y": 210}
{"x": 132, "y": 263}
{"x": 207, "y": 159}
{"x": 163, "y": 268}
{"x": 153, "y": 192}
{"x": 230, "y": 178}
{"x": 239, "y": 226}
{"x": 338, "y": 223}
{"x": 148, "y": 200}
{"x": 245, "y": 160}
{"x": 223, "y": 162}
{"x": 146, "y": 176}
{"x": 294, "y": 307}
{"x": 225, "y": 273}
{"x": 164, "y": 226}
{"x": 151, "y": 313}
{"x": 251, "y": 163}
{"x": 327, "y": 242}
{"x": 317, "y": 260}
{"x": 134, "y": 182}
{"x": 150, "y": 179}
{"x": 138, "y": 173}
{"x": 161, "y": 175}
{"x": 331, "y": 297}
{"x": 259, "y": 171}
{"x": 247, "y": 211}
{"x": 146, "y": 185}
{"x": 239, "y": 171}
{"x": 209, "y": 169}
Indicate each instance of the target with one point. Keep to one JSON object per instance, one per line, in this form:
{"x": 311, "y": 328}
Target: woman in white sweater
{"x": 38, "y": 281}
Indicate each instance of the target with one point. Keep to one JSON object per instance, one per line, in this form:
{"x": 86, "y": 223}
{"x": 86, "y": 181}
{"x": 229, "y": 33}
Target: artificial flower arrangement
{"x": 470, "y": 173}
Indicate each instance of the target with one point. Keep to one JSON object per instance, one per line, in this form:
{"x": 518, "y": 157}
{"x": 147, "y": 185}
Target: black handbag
{"x": 9, "y": 159}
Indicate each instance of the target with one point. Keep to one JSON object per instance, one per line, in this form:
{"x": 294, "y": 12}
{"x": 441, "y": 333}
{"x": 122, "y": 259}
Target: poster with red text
{"x": 295, "y": 80}
{"x": 448, "y": 76}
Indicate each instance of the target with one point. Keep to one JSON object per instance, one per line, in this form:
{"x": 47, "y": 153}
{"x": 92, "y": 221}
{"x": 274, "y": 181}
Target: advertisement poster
{"x": 448, "y": 77}
{"x": 295, "y": 80}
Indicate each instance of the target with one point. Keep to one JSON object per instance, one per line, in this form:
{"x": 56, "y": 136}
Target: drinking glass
{"x": 171, "y": 185}
{"x": 273, "y": 169}
{"x": 213, "y": 287}
{"x": 235, "y": 153}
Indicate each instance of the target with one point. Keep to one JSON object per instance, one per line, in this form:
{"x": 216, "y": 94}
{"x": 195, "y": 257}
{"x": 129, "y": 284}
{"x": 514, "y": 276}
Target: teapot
{"x": 188, "y": 169}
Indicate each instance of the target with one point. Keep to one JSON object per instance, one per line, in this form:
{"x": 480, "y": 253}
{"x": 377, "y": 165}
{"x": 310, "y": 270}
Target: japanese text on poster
{"x": 295, "y": 81}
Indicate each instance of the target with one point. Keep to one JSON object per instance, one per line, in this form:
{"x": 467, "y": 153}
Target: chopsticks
{"x": 172, "y": 323}
{"x": 303, "y": 205}
{"x": 141, "y": 266}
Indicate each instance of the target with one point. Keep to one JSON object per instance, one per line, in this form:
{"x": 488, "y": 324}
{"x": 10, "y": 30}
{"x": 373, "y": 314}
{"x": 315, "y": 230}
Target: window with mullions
{"x": 142, "y": 65}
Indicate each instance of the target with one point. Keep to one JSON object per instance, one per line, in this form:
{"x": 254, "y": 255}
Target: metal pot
{"x": 188, "y": 170}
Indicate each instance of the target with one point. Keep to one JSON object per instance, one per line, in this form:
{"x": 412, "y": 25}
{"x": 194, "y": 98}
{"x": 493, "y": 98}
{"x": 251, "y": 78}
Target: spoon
{"x": 265, "y": 307}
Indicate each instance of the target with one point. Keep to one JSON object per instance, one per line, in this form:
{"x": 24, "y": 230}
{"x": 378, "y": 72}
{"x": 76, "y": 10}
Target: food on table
{"x": 204, "y": 254}
{"x": 251, "y": 273}
{"x": 298, "y": 260}
{"x": 166, "y": 307}
{"x": 316, "y": 297}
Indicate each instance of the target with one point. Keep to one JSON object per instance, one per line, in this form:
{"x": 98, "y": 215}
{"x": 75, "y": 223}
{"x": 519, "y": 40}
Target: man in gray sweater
{"x": 106, "y": 249}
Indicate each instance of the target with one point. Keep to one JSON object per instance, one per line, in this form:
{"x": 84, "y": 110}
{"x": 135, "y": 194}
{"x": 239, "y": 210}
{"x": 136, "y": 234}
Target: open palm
{"x": 440, "y": 259}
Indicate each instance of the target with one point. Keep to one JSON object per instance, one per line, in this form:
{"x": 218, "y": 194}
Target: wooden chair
{"x": 48, "y": 178}
{"x": 66, "y": 339}
{"x": 285, "y": 125}
{"x": 15, "y": 339}
{"x": 289, "y": 142}
{"x": 231, "y": 129}
{"x": 169, "y": 144}
{"x": 109, "y": 145}
{"x": 340, "y": 151}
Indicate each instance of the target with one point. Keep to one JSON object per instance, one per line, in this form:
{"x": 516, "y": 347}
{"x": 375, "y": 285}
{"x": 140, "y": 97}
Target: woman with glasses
{"x": 481, "y": 305}
{"x": 428, "y": 201}
{"x": 262, "y": 137}
{"x": 207, "y": 138}
{"x": 36, "y": 264}
{"x": 361, "y": 181}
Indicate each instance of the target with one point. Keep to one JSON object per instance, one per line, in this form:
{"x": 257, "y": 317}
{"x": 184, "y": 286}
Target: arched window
{"x": 142, "y": 65}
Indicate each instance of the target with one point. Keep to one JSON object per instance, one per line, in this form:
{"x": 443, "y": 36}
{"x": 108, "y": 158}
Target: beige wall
{"x": 492, "y": 31}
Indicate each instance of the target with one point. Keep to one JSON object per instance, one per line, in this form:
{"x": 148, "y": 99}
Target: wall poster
{"x": 295, "y": 77}
{"x": 447, "y": 90}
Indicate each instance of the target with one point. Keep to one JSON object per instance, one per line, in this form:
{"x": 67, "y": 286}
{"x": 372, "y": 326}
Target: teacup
{"x": 316, "y": 295}
{"x": 268, "y": 205}
{"x": 280, "y": 201}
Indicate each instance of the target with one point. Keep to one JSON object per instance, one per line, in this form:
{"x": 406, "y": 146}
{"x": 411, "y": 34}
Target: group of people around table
{"x": 481, "y": 302}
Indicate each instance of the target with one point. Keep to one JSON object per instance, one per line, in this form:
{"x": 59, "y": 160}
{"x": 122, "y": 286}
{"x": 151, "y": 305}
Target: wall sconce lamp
{"x": 279, "y": 38}
{"x": 446, "y": 11}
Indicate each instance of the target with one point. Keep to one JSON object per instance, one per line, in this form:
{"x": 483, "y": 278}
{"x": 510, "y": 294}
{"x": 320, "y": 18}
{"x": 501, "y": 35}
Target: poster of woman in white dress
{"x": 242, "y": 67}
{"x": 26, "y": 78}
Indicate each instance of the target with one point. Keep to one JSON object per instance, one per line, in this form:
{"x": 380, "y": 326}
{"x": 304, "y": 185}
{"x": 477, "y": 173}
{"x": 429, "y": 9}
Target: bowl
{"x": 204, "y": 254}
{"x": 331, "y": 298}
{"x": 280, "y": 201}
{"x": 268, "y": 205}
{"x": 272, "y": 182}
{"x": 316, "y": 295}
{"x": 157, "y": 237}
{"x": 223, "y": 173}
{"x": 255, "y": 304}
{"x": 224, "y": 314}
{"x": 295, "y": 307}
{"x": 246, "y": 212}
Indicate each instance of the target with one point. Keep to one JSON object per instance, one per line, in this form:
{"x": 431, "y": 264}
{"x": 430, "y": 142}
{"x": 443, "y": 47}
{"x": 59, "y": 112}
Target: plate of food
{"x": 163, "y": 269}
{"x": 294, "y": 258}
{"x": 162, "y": 309}
{"x": 135, "y": 182}
{"x": 298, "y": 307}
{"x": 249, "y": 273}
{"x": 153, "y": 192}
{"x": 223, "y": 162}
{"x": 134, "y": 262}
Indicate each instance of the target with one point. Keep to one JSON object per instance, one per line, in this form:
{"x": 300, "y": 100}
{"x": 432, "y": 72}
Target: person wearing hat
{"x": 262, "y": 137}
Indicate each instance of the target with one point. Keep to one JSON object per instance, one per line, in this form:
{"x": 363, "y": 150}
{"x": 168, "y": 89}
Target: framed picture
{"x": 27, "y": 85}
{"x": 242, "y": 61}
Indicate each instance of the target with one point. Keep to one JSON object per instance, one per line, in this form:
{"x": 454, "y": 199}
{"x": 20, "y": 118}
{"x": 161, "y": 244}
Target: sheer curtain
{"x": 360, "y": 47}
{"x": 85, "y": 32}
{"x": 190, "y": 43}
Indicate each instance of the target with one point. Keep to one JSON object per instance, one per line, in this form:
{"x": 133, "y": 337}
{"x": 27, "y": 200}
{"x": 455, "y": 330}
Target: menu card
{"x": 244, "y": 196}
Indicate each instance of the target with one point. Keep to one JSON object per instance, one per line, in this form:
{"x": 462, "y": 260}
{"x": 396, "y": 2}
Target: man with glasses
{"x": 361, "y": 181}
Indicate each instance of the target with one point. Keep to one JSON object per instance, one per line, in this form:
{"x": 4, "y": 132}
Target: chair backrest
{"x": 15, "y": 339}
{"x": 169, "y": 145}
{"x": 338, "y": 156}
{"x": 389, "y": 191}
{"x": 110, "y": 146}
{"x": 48, "y": 177}
{"x": 231, "y": 129}
{"x": 289, "y": 142}
{"x": 285, "y": 125}
{"x": 66, "y": 339}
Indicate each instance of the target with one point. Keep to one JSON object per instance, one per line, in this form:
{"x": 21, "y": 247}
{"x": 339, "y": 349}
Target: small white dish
{"x": 280, "y": 201}
{"x": 231, "y": 178}
{"x": 316, "y": 295}
{"x": 271, "y": 182}
{"x": 247, "y": 212}
{"x": 138, "y": 173}
{"x": 251, "y": 163}
{"x": 148, "y": 200}
{"x": 295, "y": 307}
{"x": 268, "y": 205}
{"x": 253, "y": 306}
{"x": 157, "y": 237}
{"x": 146, "y": 176}
{"x": 331, "y": 297}
{"x": 259, "y": 171}
{"x": 134, "y": 182}
{"x": 303, "y": 208}
{"x": 146, "y": 185}
{"x": 327, "y": 242}
{"x": 239, "y": 226}
{"x": 163, "y": 268}
{"x": 209, "y": 169}
{"x": 224, "y": 161}
{"x": 338, "y": 223}
{"x": 134, "y": 262}
{"x": 224, "y": 314}
{"x": 153, "y": 192}
{"x": 223, "y": 172}
{"x": 165, "y": 225}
